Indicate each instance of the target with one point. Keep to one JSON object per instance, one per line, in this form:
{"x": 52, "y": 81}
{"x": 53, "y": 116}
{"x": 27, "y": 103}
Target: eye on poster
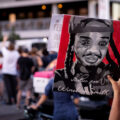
{"x": 89, "y": 50}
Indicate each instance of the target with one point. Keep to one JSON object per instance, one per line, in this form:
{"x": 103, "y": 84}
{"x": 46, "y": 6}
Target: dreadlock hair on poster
{"x": 69, "y": 56}
{"x": 114, "y": 49}
{"x": 115, "y": 52}
{"x": 113, "y": 65}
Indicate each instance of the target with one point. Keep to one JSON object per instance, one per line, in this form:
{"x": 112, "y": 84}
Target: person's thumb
{"x": 110, "y": 79}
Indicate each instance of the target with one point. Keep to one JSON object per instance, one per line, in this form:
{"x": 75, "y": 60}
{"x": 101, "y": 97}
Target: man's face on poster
{"x": 91, "y": 47}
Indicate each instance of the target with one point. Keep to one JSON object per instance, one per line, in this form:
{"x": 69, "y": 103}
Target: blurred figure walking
{"x": 36, "y": 59}
{"x": 48, "y": 57}
{"x": 10, "y": 57}
{"x": 25, "y": 69}
{"x": 1, "y": 78}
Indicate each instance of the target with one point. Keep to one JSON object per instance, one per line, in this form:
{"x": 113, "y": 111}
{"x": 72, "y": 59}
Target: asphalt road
{"x": 10, "y": 112}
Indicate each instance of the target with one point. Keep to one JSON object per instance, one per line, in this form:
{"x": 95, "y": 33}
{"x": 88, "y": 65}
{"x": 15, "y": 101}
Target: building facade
{"x": 31, "y": 18}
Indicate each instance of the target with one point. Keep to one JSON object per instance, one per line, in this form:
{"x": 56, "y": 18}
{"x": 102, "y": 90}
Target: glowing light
{"x": 43, "y": 7}
{"x": 60, "y": 6}
{"x": 12, "y": 17}
{"x": 45, "y": 39}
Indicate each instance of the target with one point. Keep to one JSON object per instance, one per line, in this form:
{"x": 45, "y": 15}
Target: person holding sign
{"x": 115, "y": 110}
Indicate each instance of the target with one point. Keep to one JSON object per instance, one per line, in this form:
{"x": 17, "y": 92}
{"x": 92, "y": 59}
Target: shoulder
{"x": 48, "y": 88}
{"x": 29, "y": 59}
{"x": 4, "y": 49}
{"x": 50, "y": 83}
{"x": 20, "y": 59}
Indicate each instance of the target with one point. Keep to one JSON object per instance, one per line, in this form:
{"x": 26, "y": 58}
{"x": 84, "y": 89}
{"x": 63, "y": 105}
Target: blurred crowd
{"x": 17, "y": 68}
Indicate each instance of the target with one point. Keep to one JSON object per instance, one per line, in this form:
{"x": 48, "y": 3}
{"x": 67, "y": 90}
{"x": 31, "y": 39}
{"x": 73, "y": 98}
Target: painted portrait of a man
{"x": 85, "y": 68}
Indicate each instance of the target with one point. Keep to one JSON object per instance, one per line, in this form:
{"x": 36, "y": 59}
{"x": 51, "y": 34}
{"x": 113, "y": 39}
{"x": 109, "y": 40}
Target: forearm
{"x": 41, "y": 100}
{"x": 40, "y": 63}
{"x": 32, "y": 69}
{"x": 115, "y": 110}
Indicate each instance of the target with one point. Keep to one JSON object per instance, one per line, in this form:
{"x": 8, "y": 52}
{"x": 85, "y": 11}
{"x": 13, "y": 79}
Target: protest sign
{"x": 55, "y": 32}
{"x": 89, "y": 50}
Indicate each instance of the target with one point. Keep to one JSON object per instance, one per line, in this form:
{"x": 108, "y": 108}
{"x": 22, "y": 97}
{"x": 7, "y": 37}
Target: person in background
{"x": 36, "y": 59}
{"x": 25, "y": 70}
{"x": 20, "y": 49}
{"x": 48, "y": 57}
{"x": 9, "y": 71}
{"x": 1, "y": 78}
{"x": 64, "y": 107}
{"x": 115, "y": 110}
{"x": 51, "y": 65}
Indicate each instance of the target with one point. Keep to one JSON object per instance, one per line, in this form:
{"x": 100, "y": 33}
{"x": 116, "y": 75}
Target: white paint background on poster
{"x": 55, "y": 32}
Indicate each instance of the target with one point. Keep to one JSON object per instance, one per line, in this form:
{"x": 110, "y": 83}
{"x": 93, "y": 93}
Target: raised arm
{"x": 115, "y": 110}
{"x": 5, "y": 38}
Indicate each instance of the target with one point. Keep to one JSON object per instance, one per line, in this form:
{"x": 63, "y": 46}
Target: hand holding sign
{"x": 115, "y": 85}
{"x": 115, "y": 110}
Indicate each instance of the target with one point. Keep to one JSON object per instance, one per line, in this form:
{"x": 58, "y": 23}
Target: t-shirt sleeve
{"x": 18, "y": 63}
{"x": 18, "y": 55}
{"x": 48, "y": 88}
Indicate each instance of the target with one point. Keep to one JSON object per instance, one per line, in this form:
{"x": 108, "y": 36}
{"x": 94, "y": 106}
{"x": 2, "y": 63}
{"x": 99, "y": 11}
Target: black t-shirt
{"x": 25, "y": 65}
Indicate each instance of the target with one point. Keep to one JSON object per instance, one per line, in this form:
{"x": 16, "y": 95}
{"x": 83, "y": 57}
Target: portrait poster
{"x": 89, "y": 50}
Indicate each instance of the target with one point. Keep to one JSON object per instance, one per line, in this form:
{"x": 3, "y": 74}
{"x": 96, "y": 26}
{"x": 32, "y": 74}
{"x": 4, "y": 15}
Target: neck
{"x": 25, "y": 55}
